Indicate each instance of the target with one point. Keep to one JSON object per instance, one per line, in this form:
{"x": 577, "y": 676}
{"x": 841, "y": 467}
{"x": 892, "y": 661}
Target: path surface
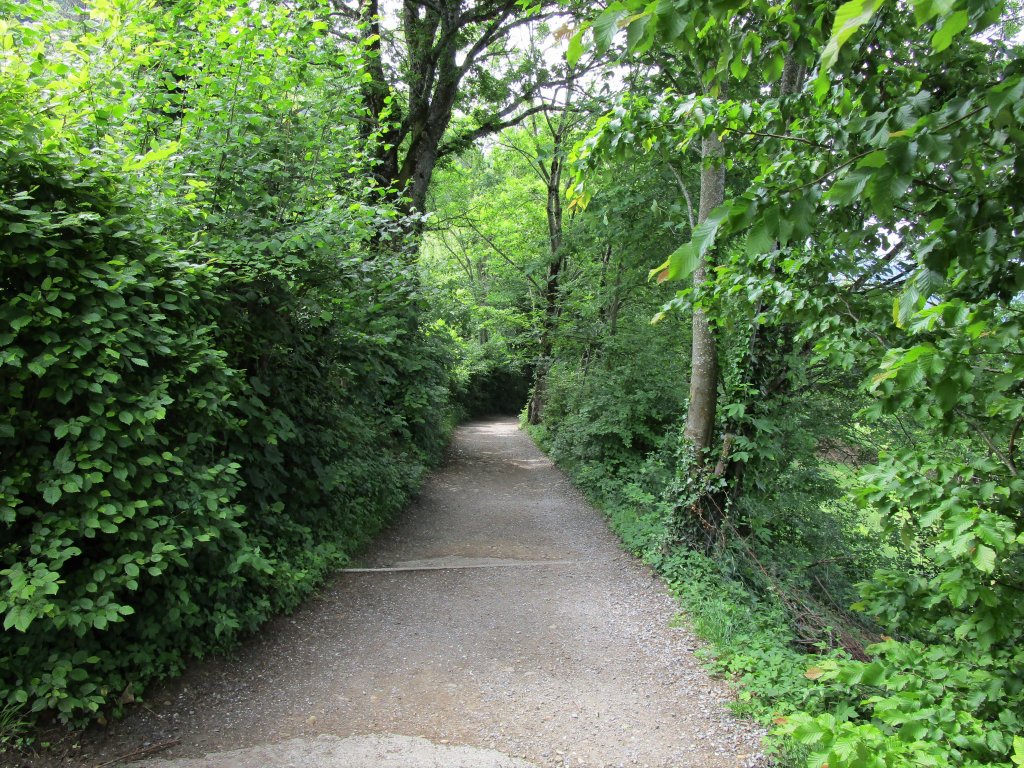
{"x": 497, "y": 625}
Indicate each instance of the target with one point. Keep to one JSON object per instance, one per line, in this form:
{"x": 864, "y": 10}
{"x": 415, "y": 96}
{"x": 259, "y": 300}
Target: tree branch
{"x": 535, "y": 165}
{"x": 1008, "y": 463}
{"x": 683, "y": 189}
{"x": 501, "y": 254}
{"x": 1013, "y": 445}
{"x": 463, "y": 141}
{"x": 778, "y": 136}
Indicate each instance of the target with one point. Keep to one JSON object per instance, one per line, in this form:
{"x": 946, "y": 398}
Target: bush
{"x": 606, "y": 418}
{"x": 122, "y": 527}
{"x": 346, "y": 403}
{"x": 187, "y": 449}
{"x": 490, "y": 380}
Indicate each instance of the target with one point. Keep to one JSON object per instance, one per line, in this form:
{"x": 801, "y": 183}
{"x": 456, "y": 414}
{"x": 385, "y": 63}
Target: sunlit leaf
{"x": 850, "y": 17}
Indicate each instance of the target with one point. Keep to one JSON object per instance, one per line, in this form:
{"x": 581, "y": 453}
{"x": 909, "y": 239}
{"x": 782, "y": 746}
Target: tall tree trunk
{"x": 709, "y": 507}
{"x": 480, "y": 289}
{"x": 700, "y": 418}
{"x": 610, "y": 308}
{"x": 554, "y": 213}
{"x": 552, "y": 176}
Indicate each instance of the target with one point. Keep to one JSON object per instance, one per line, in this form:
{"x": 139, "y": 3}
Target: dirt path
{"x": 497, "y": 623}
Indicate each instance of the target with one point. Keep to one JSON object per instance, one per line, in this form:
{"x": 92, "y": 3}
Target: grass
{"x": 750, "y": 636}
{"x": 14, "y": 729}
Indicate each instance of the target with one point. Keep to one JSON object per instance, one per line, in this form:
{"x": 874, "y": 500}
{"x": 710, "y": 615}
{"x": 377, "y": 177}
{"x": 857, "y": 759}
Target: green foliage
{"x": 604, "y": 417}
{"x": 221, "y": 375}
{"x": 14, "y": 728}
{"x": 950, "y": 689}
{"x": 116, "y": 500}
{"x": 913, "y": 702}
{"x": 876, "y": 238}
{"x": 228, "y": 356}
{"x": 490, "y": 381}
{"x": 485, "y": 256}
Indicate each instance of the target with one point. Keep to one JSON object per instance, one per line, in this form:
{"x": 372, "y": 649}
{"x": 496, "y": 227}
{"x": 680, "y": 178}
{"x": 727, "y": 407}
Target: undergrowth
{"x": 742, "y": 600}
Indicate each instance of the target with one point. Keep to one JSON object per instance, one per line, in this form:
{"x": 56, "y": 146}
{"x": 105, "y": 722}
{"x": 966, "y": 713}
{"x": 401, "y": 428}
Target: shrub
{"x": 187, "y": 449}
{"x": 119, "y": 504}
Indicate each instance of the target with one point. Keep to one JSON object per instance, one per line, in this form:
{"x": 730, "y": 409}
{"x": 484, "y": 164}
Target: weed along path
{"x": 497, "y": 625}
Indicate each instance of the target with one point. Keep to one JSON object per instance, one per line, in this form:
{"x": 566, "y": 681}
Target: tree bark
{"x": 700, "y": 418}
{"x": 535, "y": 409}
{"x": 443, "y": 43}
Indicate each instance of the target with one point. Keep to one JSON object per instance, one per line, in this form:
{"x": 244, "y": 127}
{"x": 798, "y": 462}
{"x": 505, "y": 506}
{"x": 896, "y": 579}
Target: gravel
{"x": 497, "y": 617}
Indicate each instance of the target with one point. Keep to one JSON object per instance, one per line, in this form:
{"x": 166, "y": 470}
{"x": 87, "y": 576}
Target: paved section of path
{"x": 497, "y": 625}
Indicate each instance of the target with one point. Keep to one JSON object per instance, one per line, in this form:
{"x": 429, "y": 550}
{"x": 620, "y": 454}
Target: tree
{"x": 213, "y": 392}
{"x": 449, "y": 59}
{"x": 485, "y": 249}
{"x": 880, "y": 229}
{"x": 691, "y": 55}
{"x": 549, "y": 163}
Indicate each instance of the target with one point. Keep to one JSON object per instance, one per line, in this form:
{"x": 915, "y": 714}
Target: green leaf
{"x": 848, "y": 188}
{"x": 739, "y": 68}
{"x": 924, "y": 10}
{"x": 951, "y": 26}
{"x": 773, "y": 69}
{"x": 51, "y": 494}
{"x": 635, "y": 34}
{"x": 759, "y": 240}
{"x": 680, "y": 264}
{"x": 685, "y": 258}
{"x": 575, "y": 51}
{"x": 876, "y": 159}
{"x": 947, "y": 392}
{"x": 850, "y": 17}
{"x": 153, "y": 156}
{"x": 20, "y": 617}
{"x": 984, "y": 558}
{"x": 905, "y": 305}
{"x": 605, "y": 27}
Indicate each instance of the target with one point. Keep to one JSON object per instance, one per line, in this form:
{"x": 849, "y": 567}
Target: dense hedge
{"x": 186, "y": 448}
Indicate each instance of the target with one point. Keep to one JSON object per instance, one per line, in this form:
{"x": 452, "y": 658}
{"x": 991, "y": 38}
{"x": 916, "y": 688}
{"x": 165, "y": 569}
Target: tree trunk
{"x": 700, "y": 418}
{"x": 410, "y": 97}
{"x": 480, "y": 291}
{"x": 553, "y": 181}
{"x": 554, "y": 211}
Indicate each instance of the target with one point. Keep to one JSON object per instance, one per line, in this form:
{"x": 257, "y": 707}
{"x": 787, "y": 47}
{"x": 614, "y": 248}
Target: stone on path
{"x": 387, "y": 751}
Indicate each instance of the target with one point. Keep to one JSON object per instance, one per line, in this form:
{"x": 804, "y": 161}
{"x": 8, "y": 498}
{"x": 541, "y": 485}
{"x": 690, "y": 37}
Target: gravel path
{"x": 497, "y": 624}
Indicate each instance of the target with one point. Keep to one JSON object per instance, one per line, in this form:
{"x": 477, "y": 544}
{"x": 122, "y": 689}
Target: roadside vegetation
{"x": 751, "y": 272}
